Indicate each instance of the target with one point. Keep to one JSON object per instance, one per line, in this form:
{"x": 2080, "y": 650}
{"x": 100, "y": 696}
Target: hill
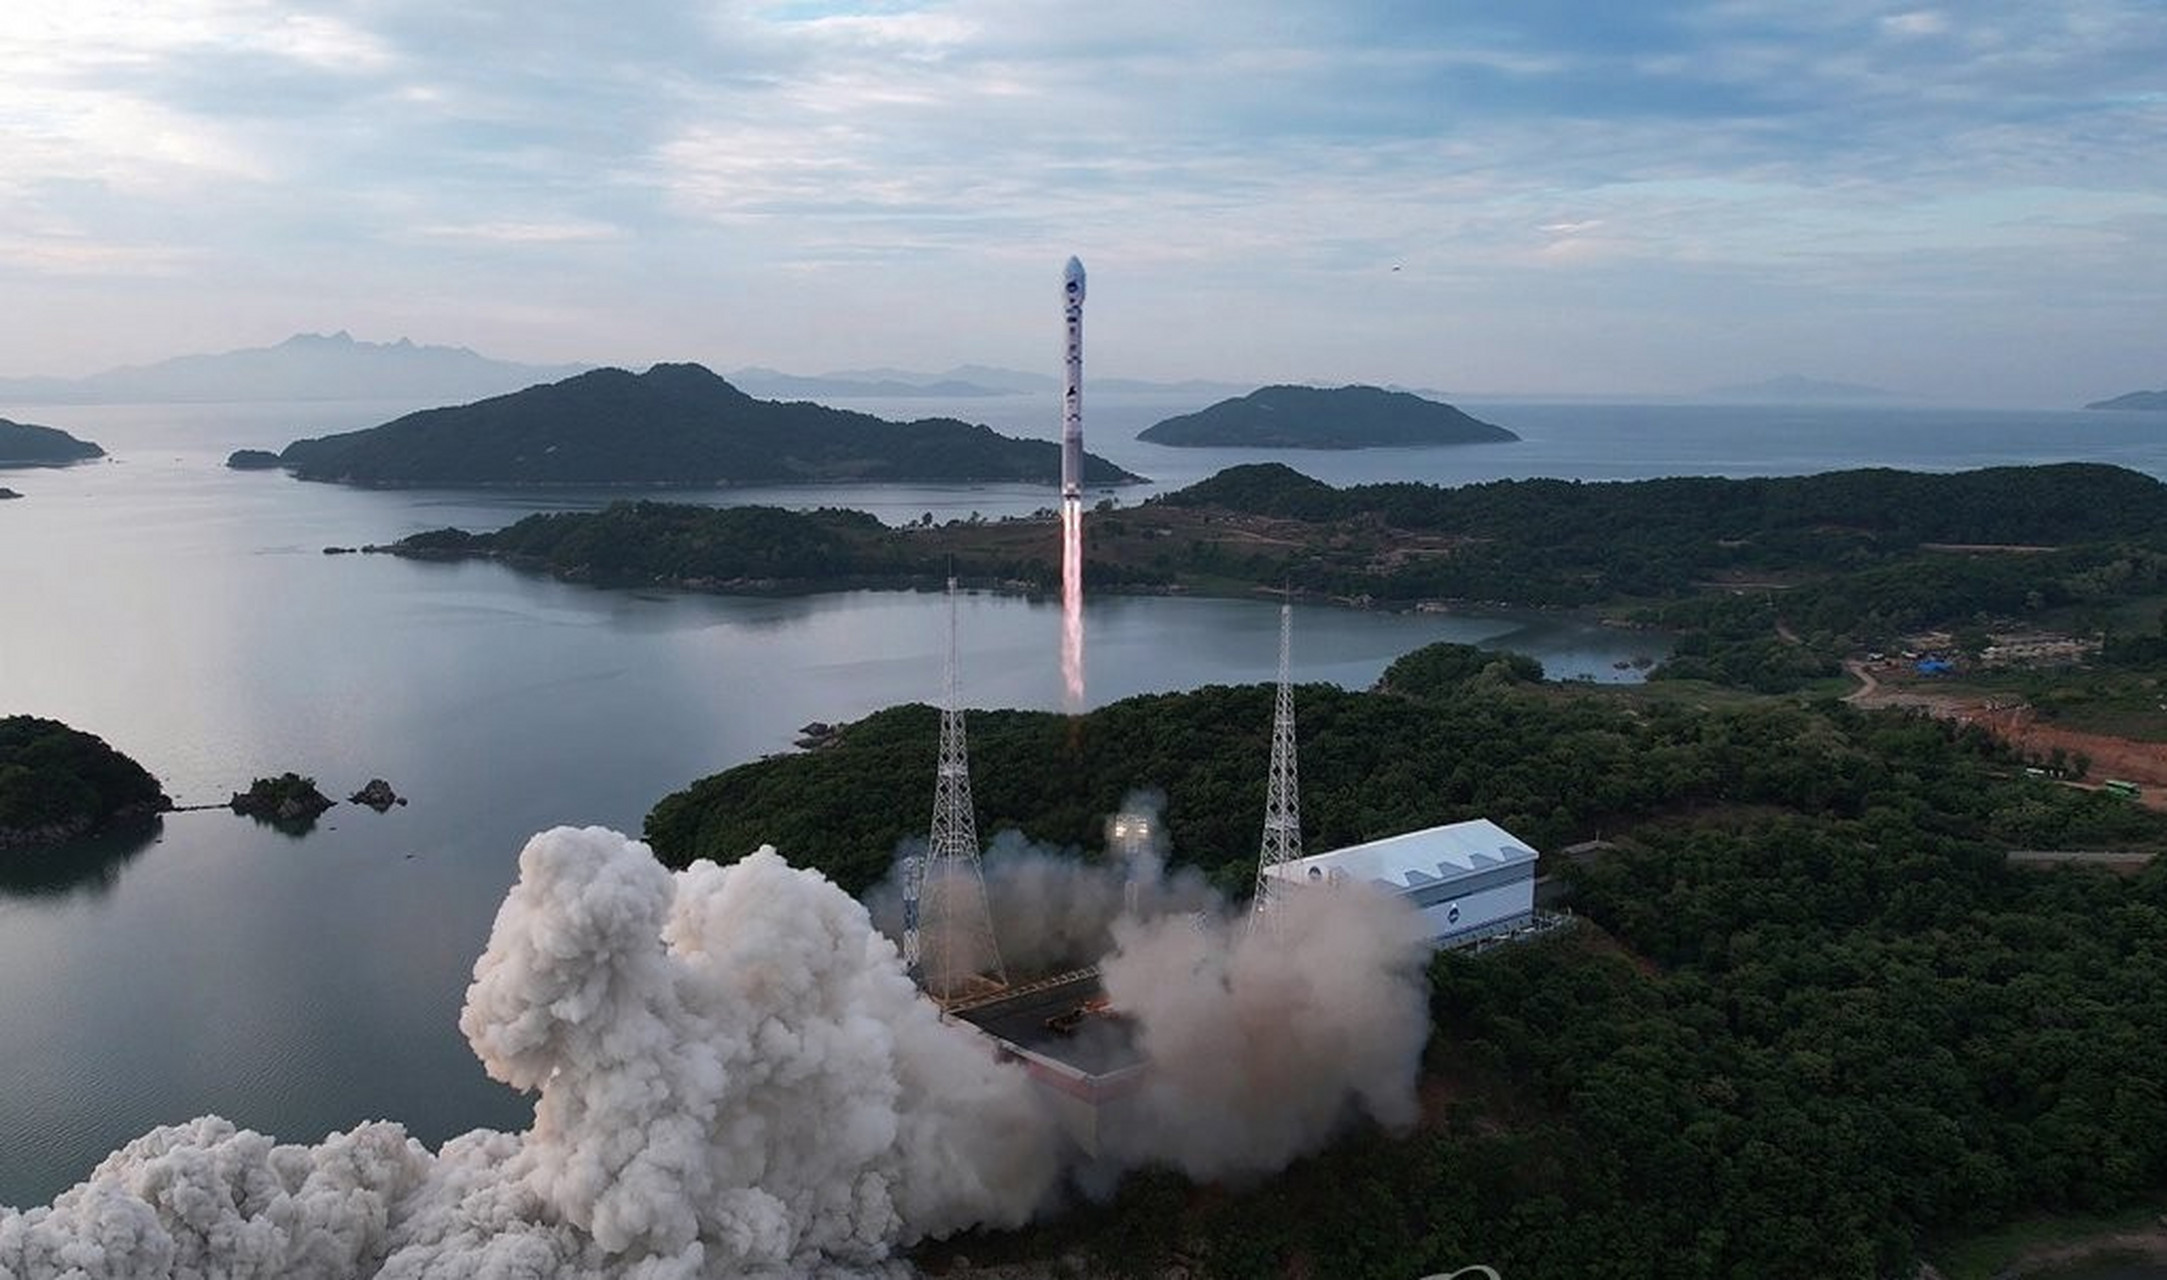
{"x": 57, "y": 783}
{"x": 675, "y": 425}
{"x": 2152, "y": 400}
{"x": 1808, "y": 999}
{"x": 307, "y": 366}
{"x": 1288, "y": 417}
{"x": 25, "y": 445}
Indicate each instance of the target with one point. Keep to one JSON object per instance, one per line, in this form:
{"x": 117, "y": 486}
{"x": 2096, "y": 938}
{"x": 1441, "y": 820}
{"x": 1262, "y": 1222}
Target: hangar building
{"x": 1471, "y": 880}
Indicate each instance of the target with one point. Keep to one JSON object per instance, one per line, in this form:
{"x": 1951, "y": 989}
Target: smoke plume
{"x": 1266, "y": 1035}
{"x": 734, "y": 1078}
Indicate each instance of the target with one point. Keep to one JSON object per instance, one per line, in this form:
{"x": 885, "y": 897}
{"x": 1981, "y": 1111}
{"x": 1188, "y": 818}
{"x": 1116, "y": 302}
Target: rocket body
{"x": 1072, "y": 300}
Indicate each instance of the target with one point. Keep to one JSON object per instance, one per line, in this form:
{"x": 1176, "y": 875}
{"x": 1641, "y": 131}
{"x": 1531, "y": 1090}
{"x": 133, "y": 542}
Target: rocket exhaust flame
{"x": 1072, "y": 670}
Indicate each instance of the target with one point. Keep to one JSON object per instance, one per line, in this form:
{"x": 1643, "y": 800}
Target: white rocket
{"x": 1072, "y": 300}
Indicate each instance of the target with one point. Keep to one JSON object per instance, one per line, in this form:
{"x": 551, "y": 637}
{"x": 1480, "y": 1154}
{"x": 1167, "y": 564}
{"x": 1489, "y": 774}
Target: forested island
{"x": 677, "y": 425}
{"x": 57, "y": 783}
{"x": 1813, "y": 1021}
{"x": 2151, "y": 400}
{"x": 1293, "y": 417}
{"x": 24, "y": 444}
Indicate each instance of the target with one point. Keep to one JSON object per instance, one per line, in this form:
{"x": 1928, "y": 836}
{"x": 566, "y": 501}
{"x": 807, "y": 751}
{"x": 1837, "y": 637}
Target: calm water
{"x": 187, "y": 614}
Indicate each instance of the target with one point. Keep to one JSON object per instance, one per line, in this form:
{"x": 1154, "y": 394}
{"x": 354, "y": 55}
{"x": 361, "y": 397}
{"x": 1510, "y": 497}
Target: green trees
{"x": 57, "y": 782}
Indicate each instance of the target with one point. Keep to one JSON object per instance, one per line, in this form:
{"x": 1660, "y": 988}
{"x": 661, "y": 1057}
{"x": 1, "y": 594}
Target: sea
{"x": 189, "y": 615}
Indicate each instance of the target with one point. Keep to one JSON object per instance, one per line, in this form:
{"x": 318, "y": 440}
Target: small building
{"x": 1470, "y": 880}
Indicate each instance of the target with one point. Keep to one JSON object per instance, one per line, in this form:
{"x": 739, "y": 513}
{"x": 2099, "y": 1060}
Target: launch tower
{"x": 947, "y": 926}
{"x": 1282, "y": 800}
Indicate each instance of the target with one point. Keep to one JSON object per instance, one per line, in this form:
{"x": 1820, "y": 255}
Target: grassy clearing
{"x": 1985, "y": 1256}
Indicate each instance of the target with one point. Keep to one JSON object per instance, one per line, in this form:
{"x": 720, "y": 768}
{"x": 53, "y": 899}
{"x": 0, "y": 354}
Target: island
{"x": 2153, "y": 401}
{"x": 289, "y": 802}
{"x": 1291, "y": 417}
{"x": 24, "y": 444}
{"x": 676, "y": 425}
{"x": 5, "y": 494}
{"x": 57, "y": 783}
{"x": 252, "y": 460}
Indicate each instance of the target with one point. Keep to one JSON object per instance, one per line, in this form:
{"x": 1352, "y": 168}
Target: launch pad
{"x": 1084, "y": 1056}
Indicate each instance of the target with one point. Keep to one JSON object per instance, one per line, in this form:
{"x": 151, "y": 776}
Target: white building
{"x": 1469, "y": 879}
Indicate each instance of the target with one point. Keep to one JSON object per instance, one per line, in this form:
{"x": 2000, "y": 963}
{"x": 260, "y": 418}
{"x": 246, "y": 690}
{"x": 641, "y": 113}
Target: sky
{"x": 1964, "y": 203}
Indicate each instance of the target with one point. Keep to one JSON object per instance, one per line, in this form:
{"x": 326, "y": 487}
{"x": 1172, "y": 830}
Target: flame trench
{"x": 1072, "y": 663}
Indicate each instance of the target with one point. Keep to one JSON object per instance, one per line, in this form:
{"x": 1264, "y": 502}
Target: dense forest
{"x": 1813, "y": 1024}
{"x": 24, "y": 444}
{"x": 1290, "y": 417}
{"x": 675, "y": 425}
{"x": 57, "y": 782}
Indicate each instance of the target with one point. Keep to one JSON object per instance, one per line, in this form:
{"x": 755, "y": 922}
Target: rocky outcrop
{"x": 252, "y": 460}
{"x": 378, "y": 795}
{"x": 288, "y": 801}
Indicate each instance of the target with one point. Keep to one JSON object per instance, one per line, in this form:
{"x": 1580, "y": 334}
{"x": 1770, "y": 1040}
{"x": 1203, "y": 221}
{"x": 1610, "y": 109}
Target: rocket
{"x": 1072, "y": 300}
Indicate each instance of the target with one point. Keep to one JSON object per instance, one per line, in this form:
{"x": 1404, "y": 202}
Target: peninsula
{"x": 23, "y": 444}
{"x": 2156, "y": 401}
{"x": 57, "y": 783}
{"x": 676, "y": 425}
{"x": 1290, "y": 417}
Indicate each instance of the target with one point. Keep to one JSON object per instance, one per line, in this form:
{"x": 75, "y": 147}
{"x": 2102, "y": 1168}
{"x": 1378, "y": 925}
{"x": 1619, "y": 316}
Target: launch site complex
{"x": 1472, "y": 882}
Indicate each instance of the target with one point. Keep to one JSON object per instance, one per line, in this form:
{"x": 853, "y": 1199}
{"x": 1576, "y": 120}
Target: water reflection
{"x": 89, "y": 866}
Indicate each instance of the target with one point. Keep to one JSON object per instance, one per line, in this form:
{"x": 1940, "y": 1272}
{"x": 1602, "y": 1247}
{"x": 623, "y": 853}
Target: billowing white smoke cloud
{"x": 735, "y": 1078}
{"x": 1266, "y": 1036}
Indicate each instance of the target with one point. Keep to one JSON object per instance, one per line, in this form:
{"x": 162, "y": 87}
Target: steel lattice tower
{"x": 1283, "y": 799}
{"x": 947, "y": 927}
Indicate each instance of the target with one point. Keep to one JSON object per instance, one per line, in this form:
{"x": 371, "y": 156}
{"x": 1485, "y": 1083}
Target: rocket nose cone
{"x": 1072, "y": 278}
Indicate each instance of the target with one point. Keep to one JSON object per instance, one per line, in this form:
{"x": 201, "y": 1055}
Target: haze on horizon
{"x": 1962, "y": 203}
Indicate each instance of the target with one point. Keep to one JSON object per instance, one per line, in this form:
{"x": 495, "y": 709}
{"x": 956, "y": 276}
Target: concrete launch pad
{"x": 1059, "y": 1029}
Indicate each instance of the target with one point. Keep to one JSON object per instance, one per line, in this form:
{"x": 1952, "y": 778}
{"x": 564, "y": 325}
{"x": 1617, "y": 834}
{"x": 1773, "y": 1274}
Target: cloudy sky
{"x": 1572, "y": 196}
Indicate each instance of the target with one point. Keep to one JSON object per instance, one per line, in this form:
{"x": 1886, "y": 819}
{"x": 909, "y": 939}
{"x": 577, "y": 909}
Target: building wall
{"x": 1456, "y": 920}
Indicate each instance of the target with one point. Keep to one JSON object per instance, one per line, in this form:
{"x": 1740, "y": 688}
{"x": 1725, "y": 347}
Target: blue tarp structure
{"x": 1934, "y": 667}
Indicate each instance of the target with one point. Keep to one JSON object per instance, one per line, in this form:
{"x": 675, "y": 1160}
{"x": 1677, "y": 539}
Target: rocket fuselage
{"x": 1072, "y": 300}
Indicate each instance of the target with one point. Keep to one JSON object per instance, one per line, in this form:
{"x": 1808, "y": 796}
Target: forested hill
{"x": 57, "y": 782}
{"x": 1812, "y": 1023}
{"x": 1289, "y": 417}
{"x": 2047, "y": 505}
{"x": 23, "y": 444}
{"x": 675, "y": 425}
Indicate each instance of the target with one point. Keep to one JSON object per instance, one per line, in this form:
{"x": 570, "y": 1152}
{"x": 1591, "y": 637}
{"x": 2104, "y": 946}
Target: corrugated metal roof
{"x": 1417, "y": 858}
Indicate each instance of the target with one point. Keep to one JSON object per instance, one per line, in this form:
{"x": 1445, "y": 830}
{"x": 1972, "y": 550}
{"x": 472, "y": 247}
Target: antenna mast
{"x": 1282, "y": 799}
{"x": 947, "y": 927}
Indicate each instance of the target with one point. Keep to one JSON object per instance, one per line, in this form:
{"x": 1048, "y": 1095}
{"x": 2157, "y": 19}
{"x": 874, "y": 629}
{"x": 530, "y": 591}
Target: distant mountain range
{"x": 307, "y": 366}
{"x": 962, "y": 382}
{"x": 1287, "y": 417}
{"x": 1793, "y": 389}
{"x": 675, "y": 425}
{"x": 2153, "y": 400}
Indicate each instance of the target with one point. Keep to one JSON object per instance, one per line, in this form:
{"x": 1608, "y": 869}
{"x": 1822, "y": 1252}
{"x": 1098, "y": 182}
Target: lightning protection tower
{"x": 1282, "y": 800}
{"x": 947, "y": 928}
